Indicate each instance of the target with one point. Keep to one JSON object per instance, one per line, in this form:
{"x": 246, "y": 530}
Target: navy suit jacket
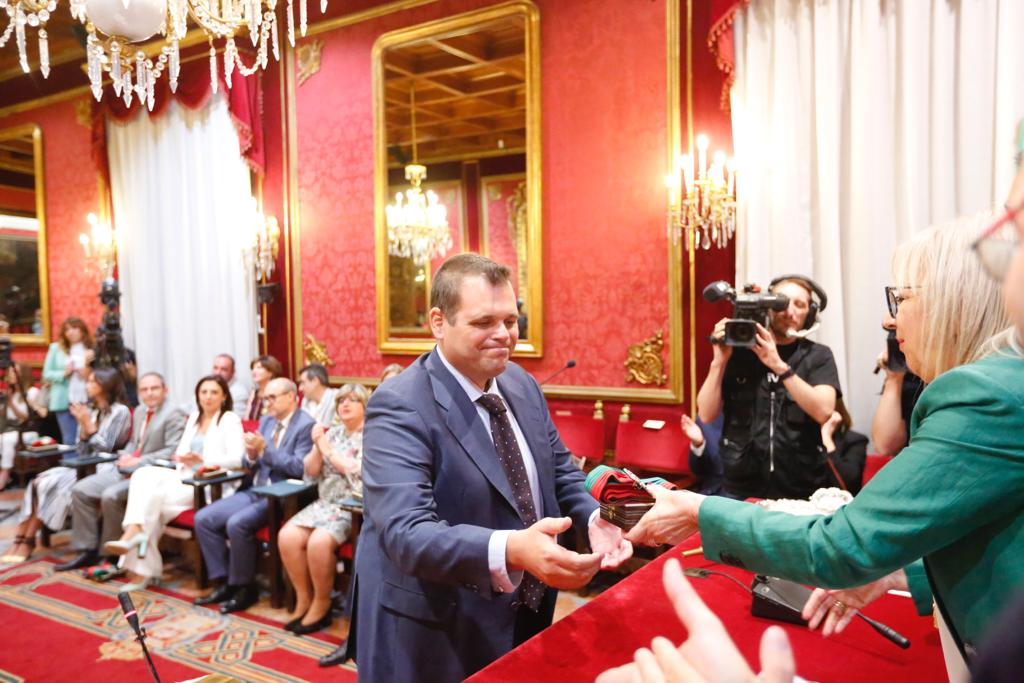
{"x": 434, "y": 491}
{"x": 285, "y": 460}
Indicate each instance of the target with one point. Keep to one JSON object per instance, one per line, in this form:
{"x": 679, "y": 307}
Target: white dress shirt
{"x": 502, "y": 580}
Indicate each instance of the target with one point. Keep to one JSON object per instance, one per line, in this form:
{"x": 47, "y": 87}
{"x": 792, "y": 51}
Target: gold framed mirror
{"x": 458, "y": 100}
{"x": 24, "y": 290}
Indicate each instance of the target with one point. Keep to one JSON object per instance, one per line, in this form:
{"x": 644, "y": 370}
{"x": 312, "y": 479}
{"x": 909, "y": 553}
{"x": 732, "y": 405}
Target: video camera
{"x": 5, "y": 353}
{"x": 749, "y": 308}
{"x": 110, "y": 352}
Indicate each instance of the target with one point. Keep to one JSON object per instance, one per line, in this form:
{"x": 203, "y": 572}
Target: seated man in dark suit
{"x": 466, "y": 487}
{"x": 275, "y": 453}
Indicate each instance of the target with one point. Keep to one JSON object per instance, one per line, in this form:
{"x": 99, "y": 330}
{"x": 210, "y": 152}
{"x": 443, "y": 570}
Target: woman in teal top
{"x": 954, "y": 496}
{"x": 66, "y": 369}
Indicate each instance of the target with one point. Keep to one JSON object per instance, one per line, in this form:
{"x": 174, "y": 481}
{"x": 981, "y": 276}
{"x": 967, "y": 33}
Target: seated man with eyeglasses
{"x": 272, "y": 454}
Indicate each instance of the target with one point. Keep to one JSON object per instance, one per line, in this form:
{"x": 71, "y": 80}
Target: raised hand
{"x": 692, "y": 430}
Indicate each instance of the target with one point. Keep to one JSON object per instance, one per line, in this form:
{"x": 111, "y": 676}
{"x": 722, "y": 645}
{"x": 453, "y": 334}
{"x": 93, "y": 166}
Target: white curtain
{"x": 181, "y": 195}
{"x": 856, "y": 124}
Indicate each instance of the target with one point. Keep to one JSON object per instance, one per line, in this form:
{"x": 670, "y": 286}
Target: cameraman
{"x": 775, "y": 396}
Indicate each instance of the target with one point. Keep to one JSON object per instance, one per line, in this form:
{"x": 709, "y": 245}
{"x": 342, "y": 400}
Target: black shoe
{"x": 290, "y": 626}
{"x": 339, "y": 656}
{"x": 86, "y": 559}
{"x": 221, "y": 593}
{"x": 318, "y": 625}
{"x": 245, "y": 597}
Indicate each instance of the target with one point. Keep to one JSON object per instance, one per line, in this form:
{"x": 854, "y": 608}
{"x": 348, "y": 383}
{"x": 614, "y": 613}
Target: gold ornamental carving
{"x": 644, "y": 364}
{"x": 316, "y": 352}
{"x": 307, "y": 59}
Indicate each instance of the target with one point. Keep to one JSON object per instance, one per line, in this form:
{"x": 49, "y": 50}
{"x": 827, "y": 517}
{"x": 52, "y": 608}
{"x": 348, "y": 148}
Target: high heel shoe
{"x": 28, "y": 542}
{"x": 125, "y": 546}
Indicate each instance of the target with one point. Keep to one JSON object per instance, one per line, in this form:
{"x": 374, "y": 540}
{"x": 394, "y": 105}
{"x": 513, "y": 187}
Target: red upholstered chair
{"x": 184, "y": 525}
{"x": 583, "y": 435}
{"x": 873, "y": 464}
{"x": 663, "y": 450}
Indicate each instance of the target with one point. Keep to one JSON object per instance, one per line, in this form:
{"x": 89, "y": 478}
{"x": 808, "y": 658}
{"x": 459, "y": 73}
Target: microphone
{"x": 803, "y": 334}
{"x": 569, "y": 364}
{"x": 130, "y": 613}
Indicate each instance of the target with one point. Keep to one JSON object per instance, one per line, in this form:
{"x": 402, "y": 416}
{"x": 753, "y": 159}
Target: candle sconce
{"x": 702, "y": 203}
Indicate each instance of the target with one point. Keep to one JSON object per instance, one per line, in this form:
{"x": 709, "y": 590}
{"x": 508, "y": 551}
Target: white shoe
{"x": 123, "y": 547}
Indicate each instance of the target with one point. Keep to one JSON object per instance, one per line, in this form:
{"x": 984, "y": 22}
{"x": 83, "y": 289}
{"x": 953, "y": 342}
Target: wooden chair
{"x": 186, "y": 521}
{"x": 583, "y": 435}
{"x": 284, "y": 498}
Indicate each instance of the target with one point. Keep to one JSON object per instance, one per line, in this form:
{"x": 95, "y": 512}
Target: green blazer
{"x": 53, "y": 372}
{"x": 954, "y": 496}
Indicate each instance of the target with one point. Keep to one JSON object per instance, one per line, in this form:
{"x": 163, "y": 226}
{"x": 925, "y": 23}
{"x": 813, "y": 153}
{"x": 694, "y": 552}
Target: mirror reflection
{"x": 22, "y": 236}
{"x": 458, "y": 125}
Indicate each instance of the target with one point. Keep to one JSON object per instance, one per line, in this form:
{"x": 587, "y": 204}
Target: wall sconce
{"x": 100, "y": 247}
{"x": 263, "y": 241}
{"x": 703, "y": 210}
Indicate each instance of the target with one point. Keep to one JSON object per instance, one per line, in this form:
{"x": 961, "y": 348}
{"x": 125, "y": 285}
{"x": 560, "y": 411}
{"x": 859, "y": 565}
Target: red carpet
{"x": 63, "y": 627}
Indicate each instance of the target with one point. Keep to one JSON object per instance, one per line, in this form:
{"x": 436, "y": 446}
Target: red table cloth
{"x": 606, "y": 631}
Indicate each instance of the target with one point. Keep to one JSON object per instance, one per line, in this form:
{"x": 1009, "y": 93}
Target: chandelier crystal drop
{"x": 417, "y": 221}
{"x": 116, "y": 28}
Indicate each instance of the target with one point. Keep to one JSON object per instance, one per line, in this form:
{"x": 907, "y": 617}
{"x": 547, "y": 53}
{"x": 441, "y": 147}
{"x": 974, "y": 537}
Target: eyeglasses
{"x": 996, "y": 252}
{"x": 893, "y": 298}
{"x": 270, "y": 398}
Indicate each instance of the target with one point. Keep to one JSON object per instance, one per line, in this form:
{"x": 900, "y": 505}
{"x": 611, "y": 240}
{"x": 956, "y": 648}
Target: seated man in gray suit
{"x": 156, "y": 430}
{"x": 466, "y": 487}
{"x": 275, "y": 453}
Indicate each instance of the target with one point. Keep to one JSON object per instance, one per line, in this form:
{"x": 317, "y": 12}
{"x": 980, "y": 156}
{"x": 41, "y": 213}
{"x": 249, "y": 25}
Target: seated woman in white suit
{"x": 213, "y": 438}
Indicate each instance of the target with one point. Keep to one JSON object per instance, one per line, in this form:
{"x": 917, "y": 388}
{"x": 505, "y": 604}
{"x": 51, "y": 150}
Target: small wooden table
{"x": 284, "y": 499}
{"x": 28, "y": 462}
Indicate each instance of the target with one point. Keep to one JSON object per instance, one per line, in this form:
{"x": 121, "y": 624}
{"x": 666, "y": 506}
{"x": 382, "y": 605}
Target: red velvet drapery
{"x": 244, "y": 97}
{"x": 720, "y": 41}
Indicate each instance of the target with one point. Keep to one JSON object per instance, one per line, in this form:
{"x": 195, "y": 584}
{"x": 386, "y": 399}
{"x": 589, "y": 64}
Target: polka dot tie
{"x": 531, "y": 590}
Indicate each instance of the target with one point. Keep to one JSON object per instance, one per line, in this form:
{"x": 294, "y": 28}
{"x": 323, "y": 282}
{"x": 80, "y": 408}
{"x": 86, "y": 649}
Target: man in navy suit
{"x": 275, "y": 453}
{"x": 466, "y": 487}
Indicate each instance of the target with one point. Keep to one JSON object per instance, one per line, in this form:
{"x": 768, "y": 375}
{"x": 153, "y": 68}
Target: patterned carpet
{"x": 60, "y": 626}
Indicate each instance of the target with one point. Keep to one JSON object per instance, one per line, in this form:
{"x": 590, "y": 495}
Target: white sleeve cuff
{"x": 502, "y": 580}
{"x": 593, "y": 516}
{"x": 698, "y": 450}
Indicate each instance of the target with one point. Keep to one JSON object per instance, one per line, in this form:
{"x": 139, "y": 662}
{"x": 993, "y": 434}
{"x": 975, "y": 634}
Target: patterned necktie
{"x": 264, "y": 476}
{"x": 531, "y": 590}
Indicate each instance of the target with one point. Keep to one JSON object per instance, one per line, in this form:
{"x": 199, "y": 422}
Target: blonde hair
{"x": 963, "y": 317}
{"x": 356, "y": 391}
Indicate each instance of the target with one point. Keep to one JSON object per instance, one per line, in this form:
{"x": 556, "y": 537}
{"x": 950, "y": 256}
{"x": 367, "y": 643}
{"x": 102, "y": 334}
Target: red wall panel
{"x": 604, "y": 154}
{"x": 71, "y": 193}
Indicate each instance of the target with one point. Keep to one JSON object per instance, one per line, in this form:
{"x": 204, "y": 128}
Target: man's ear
{"x": 436, "y": 319}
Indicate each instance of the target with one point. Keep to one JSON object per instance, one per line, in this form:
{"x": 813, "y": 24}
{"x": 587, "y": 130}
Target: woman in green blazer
{"x": 955, "y": 494}
{"x": 66, "y": 368}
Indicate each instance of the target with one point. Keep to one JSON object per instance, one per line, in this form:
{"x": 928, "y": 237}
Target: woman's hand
{"x": 189, "y": 459}
{"x": 692, "y": 430}
{"x": 839, "y": 607}
{"x": 672, "y": 519}
{"x": 69, "y": 367}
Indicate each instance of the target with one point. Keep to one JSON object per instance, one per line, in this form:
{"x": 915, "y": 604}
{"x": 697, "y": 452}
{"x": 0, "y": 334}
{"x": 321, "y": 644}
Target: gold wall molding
{"x": 307, "y": 57}
{"x": 674, "y": 393}
{"x": 83, "y": 112}
{"x": 644, "y": 364}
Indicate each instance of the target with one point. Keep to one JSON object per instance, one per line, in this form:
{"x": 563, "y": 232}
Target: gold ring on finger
{"x": 840, "y": 608}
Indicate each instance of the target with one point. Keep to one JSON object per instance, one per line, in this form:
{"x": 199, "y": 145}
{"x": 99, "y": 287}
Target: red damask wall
{"x": 71, "y": 193}
{"x": 605, "y": 143}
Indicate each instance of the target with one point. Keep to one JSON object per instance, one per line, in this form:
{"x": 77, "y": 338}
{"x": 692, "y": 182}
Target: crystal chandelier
{"x": 705, "y": 213}
{"x": 116, "y": 27}
{"x": 264, "y": 239}
{"x": 417, "y": 221}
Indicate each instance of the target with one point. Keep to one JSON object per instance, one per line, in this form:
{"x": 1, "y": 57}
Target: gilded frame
{"x": 40, "y": 191}
{"x": 386, "y": 341}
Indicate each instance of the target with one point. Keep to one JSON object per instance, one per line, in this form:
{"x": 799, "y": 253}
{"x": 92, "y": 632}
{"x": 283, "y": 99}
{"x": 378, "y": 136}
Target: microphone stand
{"x": 141, "y": 637}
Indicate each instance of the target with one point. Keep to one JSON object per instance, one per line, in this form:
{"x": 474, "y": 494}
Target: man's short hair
{"x": 151, "y": 373}
{"x": 315, "y": 370}
{"x": 229, "y": 357}
{"x": 287, "y": 386}
{"x": 444, "y": 291}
